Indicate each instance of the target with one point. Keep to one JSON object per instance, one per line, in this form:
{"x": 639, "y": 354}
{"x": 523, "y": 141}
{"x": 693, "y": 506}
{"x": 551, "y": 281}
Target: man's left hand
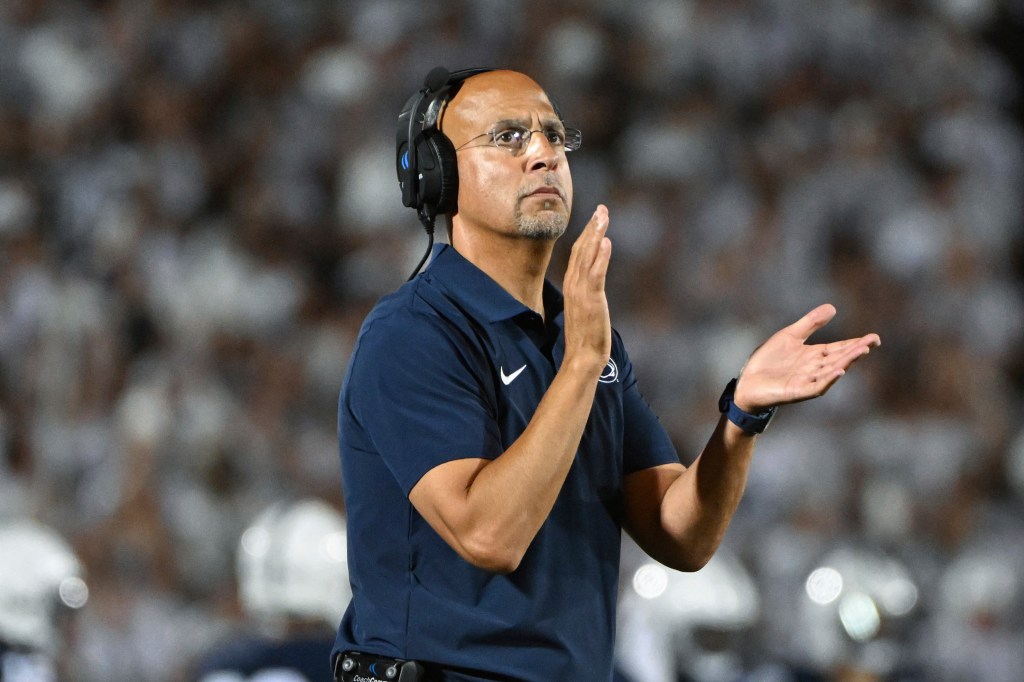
{"x": 786, "y": 369}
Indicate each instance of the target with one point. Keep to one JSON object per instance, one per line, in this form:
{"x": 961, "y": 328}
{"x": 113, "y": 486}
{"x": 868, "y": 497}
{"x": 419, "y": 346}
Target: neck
{"x": 517, "y": 264}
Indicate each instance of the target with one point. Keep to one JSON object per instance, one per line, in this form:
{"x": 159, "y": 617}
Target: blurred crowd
{"x": 198, "y": 205}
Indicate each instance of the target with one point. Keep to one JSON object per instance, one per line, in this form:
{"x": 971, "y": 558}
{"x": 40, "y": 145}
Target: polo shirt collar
{"x": 474, "y": 289}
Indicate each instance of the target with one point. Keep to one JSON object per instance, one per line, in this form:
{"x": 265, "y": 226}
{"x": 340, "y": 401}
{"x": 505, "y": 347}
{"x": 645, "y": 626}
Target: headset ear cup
{"x": 444, "y": 150}
{"x": 439, "y": 179}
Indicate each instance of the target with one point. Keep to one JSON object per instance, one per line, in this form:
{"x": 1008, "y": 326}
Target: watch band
{"x": 751, "y": 423}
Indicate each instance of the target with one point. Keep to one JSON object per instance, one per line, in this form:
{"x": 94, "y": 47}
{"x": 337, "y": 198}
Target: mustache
{"x": 549, "y": 180}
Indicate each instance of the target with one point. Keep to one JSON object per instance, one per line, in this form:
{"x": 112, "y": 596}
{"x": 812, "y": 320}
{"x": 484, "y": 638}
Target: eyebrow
{"x": 546, "y": 123}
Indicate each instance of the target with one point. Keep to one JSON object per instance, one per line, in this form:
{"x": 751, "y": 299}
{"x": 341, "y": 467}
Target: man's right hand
{"x": 588, "y": 332}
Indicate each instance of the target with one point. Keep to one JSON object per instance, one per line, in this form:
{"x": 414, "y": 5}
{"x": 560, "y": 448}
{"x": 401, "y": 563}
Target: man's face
{"x": 528, "y": 194}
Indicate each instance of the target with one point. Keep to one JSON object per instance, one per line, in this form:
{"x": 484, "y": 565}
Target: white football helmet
{"x": 852, "y": 608}
{"x": 974, "y": 627}
{"x": 39, "y": 577}
{"x": 672, "y": 622}
{"x": 293, "y": 563}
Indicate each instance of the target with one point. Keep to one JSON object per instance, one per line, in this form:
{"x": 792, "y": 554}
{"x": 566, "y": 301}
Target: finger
{"x": 587, "y": 244}
{"x": 812, "y": 321}
{"x": 837, "y": 347}
{"x": 599, "y": 270}
{"x": 574, "y": 256}
{"x": 870, "y": 340}
{"x": 594, "y": 232}
{"x": 840, "y": 362}
{"x": 827, "y": 382}
{"x": 853, "y": 355}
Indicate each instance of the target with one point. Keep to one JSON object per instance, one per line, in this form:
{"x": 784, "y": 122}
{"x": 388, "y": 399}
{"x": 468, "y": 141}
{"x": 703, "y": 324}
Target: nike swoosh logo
{"x": 509, "y": 378}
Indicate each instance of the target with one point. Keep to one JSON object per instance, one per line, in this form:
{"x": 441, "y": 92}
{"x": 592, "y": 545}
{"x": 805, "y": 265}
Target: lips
{"x": 546, "y": 191}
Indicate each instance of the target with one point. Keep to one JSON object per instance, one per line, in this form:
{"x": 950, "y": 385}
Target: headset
{"x": 427, "y": 170}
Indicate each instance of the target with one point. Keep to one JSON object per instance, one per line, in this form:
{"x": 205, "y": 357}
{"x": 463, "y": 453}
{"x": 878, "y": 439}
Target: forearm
{"x": 679, "y": 516}
{"x": 699, "y": 505}
{"x": 510, "y": 497}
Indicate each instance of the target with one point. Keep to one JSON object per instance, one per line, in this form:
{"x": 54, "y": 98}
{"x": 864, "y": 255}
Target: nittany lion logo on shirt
{"x": 610, "y": 374}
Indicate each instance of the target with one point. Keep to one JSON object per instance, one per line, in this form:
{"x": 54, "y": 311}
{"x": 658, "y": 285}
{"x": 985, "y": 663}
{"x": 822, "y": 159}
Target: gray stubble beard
{"x": 548, "y": 225}
{"x": 538, "y": 227}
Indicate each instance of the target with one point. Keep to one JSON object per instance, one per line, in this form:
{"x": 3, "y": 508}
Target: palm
{"x": 785, "y": 369}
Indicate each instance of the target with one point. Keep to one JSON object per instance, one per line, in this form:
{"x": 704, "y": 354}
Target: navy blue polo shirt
{"x": 452, "y": 366}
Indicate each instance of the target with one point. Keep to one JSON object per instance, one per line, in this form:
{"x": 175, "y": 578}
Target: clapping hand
{"x": 587, "y": 323}
{"x": 786, "y": 369}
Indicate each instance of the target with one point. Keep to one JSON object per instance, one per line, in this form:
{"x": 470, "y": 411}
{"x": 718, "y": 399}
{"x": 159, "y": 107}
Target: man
{"x": 289, "y": 562}
{"x": 494, "y": 442}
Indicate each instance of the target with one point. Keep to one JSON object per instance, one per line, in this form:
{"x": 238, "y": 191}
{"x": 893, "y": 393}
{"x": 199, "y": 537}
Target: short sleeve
{"x": 415, "y": 394}
{"x": 645, "y": 443}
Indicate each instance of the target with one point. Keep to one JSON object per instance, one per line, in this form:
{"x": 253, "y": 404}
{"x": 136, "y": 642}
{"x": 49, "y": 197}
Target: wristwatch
{"x": 751, "y": 423}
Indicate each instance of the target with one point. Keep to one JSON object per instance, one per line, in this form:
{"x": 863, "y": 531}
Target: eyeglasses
{"x": 516, "y": 138}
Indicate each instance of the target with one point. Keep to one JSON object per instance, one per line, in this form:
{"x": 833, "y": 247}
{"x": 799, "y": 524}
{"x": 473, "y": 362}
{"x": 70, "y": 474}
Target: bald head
{"x": 467, "y": 113}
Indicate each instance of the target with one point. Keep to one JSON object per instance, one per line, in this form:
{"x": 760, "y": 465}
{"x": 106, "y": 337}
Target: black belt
{"x": 355, "y": 666}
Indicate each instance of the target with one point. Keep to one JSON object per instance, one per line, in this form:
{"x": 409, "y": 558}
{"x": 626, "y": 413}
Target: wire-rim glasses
{"x": 515, "y": 138}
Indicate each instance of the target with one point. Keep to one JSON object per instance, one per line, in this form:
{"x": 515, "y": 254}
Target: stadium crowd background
{"x": 198, "y": 206}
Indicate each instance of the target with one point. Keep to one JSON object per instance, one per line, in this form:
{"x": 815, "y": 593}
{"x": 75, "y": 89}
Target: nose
{"x": 540, "y": 153}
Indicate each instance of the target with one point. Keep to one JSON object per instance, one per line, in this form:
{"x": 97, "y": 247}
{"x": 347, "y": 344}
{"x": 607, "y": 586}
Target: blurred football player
{"x": 686, "y": 626}
{"x": 293, "y": 586}
{"x": 976, "y": 630}
{"x": 854, "y": 618}
{"x": 41, "y": 584}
